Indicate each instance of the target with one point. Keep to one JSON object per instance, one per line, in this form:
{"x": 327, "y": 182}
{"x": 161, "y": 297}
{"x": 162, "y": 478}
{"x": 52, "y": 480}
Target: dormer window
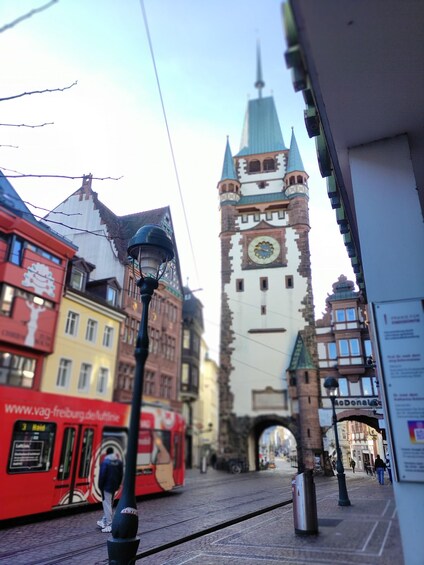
{"x": 77, "y": 279}
{"x": 112, "y": 295}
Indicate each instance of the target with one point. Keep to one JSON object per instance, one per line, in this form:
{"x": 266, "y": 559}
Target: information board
{"x": 400, "y": 335}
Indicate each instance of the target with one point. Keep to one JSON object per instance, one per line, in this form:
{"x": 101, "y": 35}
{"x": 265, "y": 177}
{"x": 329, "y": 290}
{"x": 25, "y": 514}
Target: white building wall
{"x": 90, "y": 235}
{"x": 261, "y": 360}
{"x": 274, "y": 179}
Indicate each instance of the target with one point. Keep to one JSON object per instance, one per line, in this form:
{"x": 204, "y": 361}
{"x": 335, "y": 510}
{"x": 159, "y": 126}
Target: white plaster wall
{"x": 96, "y": 249}
{"x": 261, "y": 360}
{"x": 274, "y": 179}
{"x": 251, "y": 223}
{"x": 391, "y": 232}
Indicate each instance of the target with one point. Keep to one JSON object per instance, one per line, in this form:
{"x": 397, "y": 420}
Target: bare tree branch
{"x": 28, "y": 15}
{"x": 38, "y": 92}
{"x": 13, "y": 146}
{"x": 51, "y": 211}
{"x": 27, "y": 125}
{"x": 19, "y": 175}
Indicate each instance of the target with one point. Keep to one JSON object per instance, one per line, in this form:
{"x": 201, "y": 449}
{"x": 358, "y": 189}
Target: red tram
{"x": 51, "y": 447}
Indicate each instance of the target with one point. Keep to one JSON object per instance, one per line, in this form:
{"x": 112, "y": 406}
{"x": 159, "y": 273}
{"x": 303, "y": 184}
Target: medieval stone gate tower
{"x": 268, "y": 368}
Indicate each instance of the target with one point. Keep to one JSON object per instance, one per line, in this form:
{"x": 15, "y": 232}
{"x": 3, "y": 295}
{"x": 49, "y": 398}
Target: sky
{"x": 112, "y": 124}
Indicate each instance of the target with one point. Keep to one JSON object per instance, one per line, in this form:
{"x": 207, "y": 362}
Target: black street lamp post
{"x": 150, "y": 249}
{"x": 332, "y": 386}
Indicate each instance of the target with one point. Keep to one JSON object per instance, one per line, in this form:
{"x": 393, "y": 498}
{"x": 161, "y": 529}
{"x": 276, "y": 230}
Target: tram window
{"x": 66, "y": 454}
{"x": 31, "y": 448}
{"x": 86, "y": 453}
{"x": 145, "y": 448}
{"x": 116, "y": 438}
{"x": 177, "y": 450}
{"x": 163, "y": 447}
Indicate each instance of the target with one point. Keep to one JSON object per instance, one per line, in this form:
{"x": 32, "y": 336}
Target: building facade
{"x": 267, "y": 301}
{"x": 345, "y": 353}
{"x": 102, "y": 238}
{"x": 190, "y": 370}
{"x": 33, "y": 263}
{"x": 206, "y": 412}
{"x": 85, "y": 356}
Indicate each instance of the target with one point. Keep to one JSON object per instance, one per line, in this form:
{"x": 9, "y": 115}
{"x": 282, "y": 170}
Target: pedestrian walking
{"x": 379, "y": 467}
{"x": 110, "y": 478}
{"x": 388, "y": 467}
{"x": 353, "y": 464}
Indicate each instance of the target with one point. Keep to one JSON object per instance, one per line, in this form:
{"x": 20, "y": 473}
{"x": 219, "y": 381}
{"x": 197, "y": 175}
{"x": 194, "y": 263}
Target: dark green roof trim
{"x": 260, "y": 198}
{"x": 301, "y": 358}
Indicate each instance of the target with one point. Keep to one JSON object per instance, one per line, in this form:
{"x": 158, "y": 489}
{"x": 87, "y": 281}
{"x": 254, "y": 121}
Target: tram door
{"x": 72, "y": 481}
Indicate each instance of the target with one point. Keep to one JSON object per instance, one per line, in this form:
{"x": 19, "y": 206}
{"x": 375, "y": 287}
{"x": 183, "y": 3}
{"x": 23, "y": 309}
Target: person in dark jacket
{"x": 379, "y": 467}
{"x": 110, "y": 478}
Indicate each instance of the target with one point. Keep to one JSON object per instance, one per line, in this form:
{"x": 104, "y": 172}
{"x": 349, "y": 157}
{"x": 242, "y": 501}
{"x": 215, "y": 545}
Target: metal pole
{"x": 343, "y": 496}
{"x": 122, "y": 548}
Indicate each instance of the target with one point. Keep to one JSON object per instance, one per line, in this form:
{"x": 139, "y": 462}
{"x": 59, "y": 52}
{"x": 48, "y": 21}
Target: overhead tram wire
{"x": 146, "y": 25}
{"x": 252, "y": 340}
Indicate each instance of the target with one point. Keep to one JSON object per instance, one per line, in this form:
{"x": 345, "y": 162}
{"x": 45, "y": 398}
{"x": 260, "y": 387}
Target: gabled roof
{"x": 301, "y": 358}
{"x": 261, "y": 131}
{"x": 295, "y": 160}
{"x": 122, "y": 228}
{"x": 11, "y": 200}
{"x": 228, "y": 170}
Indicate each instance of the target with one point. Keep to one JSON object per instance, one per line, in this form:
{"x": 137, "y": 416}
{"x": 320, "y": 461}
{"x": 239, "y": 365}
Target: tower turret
{"x": 295, "y": 179}
{"x": 229, "y": 185}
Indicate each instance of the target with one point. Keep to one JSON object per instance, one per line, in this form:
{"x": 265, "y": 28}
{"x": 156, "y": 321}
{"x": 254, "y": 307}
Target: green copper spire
{"x": 261, "y": 130}
{"x": 295, "y": 160}
{"x": 259, "y": 84}
{"x": 301, "y": 358}
{"x": 228, "y": 170}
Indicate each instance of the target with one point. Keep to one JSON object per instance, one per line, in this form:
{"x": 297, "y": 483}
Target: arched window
{"x": 231, "y": 187}
{"x": 300, "y": 179}
{"x": 254, "y": 166}
{"x": 292, "y": 180}
{"x": 269, "y": 165}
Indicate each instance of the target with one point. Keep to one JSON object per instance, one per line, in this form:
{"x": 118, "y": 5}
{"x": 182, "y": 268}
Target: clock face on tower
{"x": 263, "y": 249}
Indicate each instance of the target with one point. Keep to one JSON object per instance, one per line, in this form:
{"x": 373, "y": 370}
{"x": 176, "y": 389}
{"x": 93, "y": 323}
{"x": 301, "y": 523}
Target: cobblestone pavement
{"x": 365, "y": 533}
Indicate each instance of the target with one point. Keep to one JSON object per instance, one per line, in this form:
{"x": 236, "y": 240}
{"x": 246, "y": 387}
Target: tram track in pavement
{"x": 74, "y": 554}
{"x": 81, "y": 544}
{"x": 170, "y": 523}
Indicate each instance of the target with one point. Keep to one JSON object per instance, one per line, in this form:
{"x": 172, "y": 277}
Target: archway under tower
{"x": 273, "y": 436}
